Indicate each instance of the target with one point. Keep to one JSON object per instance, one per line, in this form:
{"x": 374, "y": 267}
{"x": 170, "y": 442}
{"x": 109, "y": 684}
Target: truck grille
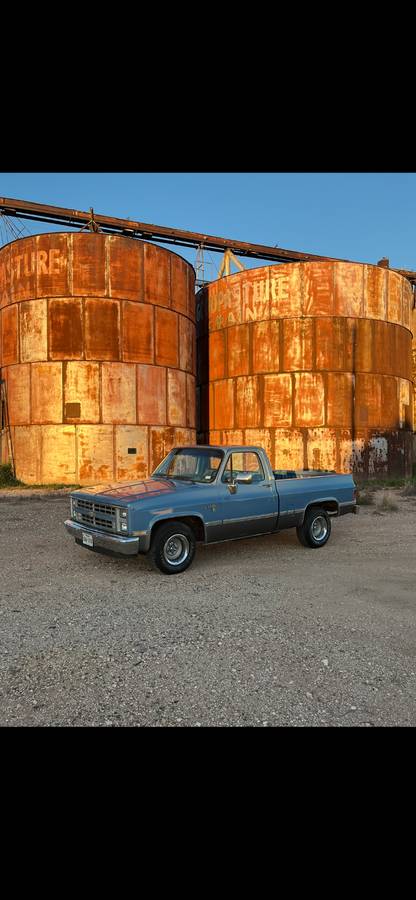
{"x": 98, "y": 515}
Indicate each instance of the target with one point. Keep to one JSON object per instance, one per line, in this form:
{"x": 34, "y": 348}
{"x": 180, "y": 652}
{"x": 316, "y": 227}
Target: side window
{"x": 248, "y": 463}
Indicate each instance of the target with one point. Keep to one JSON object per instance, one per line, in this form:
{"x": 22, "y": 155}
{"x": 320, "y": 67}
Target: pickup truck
{"x": 208, "y": 494}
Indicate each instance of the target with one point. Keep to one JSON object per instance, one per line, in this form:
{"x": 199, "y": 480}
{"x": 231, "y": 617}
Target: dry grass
{"x": 7, "y": 479}
{"x": 409, "y": 489}
{"x": 386, "y": 503}
{"x": 365, "y": 498}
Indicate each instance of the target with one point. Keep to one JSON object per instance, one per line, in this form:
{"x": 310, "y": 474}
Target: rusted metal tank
{"x": 413, "y": 321}
{"x": 311, "y": 360}
{"x": 98, "y": 353}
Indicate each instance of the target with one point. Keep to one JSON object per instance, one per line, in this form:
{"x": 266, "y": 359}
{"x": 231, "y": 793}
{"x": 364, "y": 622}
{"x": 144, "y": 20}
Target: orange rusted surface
{"x": 316, "y": 359}
{"x": 33, "y": 316}
{"x": 138, "y": 332}
{"x": 151, "y": 395}
{"x": 413, "y": 327}
{"x": 176, "y": 394}
{"x": 167, "y": 338}
{"x": 98, "y": 351}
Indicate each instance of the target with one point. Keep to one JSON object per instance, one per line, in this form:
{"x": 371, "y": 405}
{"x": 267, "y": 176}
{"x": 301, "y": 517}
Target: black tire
{"x": 316, "y": 528}
{"x": 176, "y": 556}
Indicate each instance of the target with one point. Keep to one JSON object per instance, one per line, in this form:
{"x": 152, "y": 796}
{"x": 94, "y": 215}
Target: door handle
{"x": 266, "y": 486}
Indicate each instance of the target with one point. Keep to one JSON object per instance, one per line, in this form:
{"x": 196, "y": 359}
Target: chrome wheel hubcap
{"x": 176, "y": 549}
{"x": 319, "y": 528}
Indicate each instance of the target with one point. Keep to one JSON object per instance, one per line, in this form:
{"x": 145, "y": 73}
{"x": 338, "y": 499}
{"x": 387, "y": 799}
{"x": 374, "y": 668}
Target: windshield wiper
{"x": 181, "y": 478}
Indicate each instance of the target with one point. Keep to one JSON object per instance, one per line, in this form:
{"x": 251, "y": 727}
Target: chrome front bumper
{"x": 128, "y": 546}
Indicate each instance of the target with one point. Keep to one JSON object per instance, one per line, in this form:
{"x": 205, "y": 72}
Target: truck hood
{"x": 149, "y": 490}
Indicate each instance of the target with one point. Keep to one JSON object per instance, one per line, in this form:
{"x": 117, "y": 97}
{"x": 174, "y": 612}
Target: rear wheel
{"x": 173, "y": 548}
{"x": 316, "y": 528}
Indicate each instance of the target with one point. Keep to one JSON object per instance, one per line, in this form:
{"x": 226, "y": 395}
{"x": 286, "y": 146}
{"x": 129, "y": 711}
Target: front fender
{"x": 190, "y": 518}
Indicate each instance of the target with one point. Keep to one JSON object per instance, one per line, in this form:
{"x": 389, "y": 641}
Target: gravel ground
{"x": 259, "y": 632}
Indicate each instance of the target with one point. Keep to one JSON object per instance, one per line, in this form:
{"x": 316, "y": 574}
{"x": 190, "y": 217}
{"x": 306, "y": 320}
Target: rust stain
{"x": 330, "y": 343}
{"x": 216, "y": 356}
{"x": 58, "y": 454}
{"x": 28, "y": 453}
{"x": 9, "y": 332}
{"x": 167, "y": 348}
{"x": 138, "y": 332}
{"x": 102, "y": 329}
{"x": 46, "y": 393}
{"x": 319, "y": 297}
{"x": 95, "y": 453}
{"x": 151, "y": 395}
{"x": 52, "y": 269}
{"x": 33, "y": 331}
{"x": 179, "y": 284}
{"x": 82, "y": 387}
{"x": 88, "y": 313}
{"x": 285, "y": 291}
{"x": 125, "y": 268}
{"x": 277, "y": 400}
{"x": 156, "y": 275}
{"x": 297, "y": 344}
{"x": 289, "y": 448}
{"x": 23, "y": 261}
{"x": 65, "y": 329}
{"x": 238, "y": 342}
{"x": 309, "y": 399}
{"x": 248, "y": 411}
{"x": 88, "y": 268}
{"x": 18, "y": 392}
{"x": 266, "y": 351}
{"x": 186, "y": 354}
{"x": 176, "y": 397}
{"x": 161, "y": 440}
{"x": 118, "y": 393}
{"x": 222, "y": 404}
{"x": 131, "y": 466}
{"x": 319, "y": 359}
{"x": 256, "y": 295}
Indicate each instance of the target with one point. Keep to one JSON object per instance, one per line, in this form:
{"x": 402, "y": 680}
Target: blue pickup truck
{"x": 208, "y": 494}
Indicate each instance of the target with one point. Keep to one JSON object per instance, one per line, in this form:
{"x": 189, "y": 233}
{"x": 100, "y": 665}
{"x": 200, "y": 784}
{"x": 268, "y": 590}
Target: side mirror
{"x": 244, "y": 479}
{"x": 232, "y": 487}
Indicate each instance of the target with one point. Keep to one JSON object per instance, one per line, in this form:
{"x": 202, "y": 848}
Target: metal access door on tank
{"x": 248, "y": 502}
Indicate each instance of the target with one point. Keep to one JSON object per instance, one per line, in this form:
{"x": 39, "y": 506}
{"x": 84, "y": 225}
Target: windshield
{"x": 191, "y": 464}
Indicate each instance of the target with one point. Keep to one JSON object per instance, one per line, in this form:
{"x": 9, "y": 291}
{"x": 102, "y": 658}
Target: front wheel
{"x": 173, "y": 548}
{"x": 316, "y": 528}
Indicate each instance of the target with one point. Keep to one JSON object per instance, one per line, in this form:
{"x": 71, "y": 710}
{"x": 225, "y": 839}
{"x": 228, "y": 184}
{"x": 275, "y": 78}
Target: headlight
{"x": 122, "y": 519}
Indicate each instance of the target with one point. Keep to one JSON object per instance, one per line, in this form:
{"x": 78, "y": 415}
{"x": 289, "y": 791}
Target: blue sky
{"x": 358, "y": 216}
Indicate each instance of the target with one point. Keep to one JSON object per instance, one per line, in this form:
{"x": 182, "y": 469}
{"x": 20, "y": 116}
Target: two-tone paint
{"x": 214, "y": 511}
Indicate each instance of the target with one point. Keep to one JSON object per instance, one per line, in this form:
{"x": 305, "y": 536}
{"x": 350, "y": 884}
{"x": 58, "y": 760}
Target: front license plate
{"x": 87, "y": 539}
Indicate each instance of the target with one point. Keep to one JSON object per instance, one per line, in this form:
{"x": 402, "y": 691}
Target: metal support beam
{"x": 57, "y": 215}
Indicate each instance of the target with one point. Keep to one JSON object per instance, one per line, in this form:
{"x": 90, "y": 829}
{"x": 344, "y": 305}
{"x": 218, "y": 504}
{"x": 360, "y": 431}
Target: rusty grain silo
{"x": 413, "y": 320}
{"x": 98, "y": 353}
{"x": 313, "y": 362}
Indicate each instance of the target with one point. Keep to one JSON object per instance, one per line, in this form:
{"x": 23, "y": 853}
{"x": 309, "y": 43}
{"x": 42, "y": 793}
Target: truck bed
{"x": 280, "y": 474}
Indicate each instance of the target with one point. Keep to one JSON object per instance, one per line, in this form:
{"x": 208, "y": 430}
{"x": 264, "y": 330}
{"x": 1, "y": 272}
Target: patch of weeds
{"x": 7, "y": 479}
{"x": 387, "y": 503}
{"x": 409, "y": 489}
{"x": 365, "y": 498}
{"x": 52, "y": 487}
{"x": 374, "y": 484}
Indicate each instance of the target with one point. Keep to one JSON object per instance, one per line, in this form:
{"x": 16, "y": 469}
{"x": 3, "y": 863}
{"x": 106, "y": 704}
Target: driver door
{"x": 246, "y": 508}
